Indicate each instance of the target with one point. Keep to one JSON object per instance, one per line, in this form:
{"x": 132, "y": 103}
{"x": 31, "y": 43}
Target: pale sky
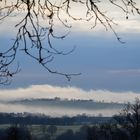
{"x": 105, "y": 63}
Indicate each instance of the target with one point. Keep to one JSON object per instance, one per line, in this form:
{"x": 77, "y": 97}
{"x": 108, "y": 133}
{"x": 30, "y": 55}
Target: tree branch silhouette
{"x": 32, "y": 34}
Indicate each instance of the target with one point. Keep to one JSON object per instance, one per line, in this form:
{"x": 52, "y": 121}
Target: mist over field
{"x": 61, "y": 101}
{"x": 55, "y": 108}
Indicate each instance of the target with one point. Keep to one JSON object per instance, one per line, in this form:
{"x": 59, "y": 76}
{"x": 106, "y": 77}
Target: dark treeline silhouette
{"x": 100, "y": 132}
{"x": 29, "y": 119}
{"x": 107, "y": 131}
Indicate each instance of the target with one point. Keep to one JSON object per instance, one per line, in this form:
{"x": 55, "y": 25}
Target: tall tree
{"x": 129, "y": 118}
{"x": 32, "y": 32}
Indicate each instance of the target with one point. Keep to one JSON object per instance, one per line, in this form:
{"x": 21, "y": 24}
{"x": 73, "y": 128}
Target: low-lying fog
{"x": 61, "y": 107}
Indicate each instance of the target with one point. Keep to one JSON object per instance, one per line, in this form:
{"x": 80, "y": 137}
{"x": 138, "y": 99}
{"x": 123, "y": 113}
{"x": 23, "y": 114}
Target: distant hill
{"x": 76, "y": 104}
{"x": 61, "y": 107}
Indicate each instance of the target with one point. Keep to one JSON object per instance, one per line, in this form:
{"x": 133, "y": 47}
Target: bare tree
{"x": 32, "y": 33}
{"x": 129, "y": 118}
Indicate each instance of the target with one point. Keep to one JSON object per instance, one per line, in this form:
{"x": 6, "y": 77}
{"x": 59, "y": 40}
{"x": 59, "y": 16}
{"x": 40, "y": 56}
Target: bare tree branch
{"x": 32, "y": 34}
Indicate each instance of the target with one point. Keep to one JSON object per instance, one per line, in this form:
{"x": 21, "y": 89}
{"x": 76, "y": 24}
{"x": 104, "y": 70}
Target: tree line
{"x": 30, "y": 119}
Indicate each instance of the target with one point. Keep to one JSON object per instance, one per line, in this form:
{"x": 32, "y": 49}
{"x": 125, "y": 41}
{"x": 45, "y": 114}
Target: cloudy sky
{"x": 110, "y": 70}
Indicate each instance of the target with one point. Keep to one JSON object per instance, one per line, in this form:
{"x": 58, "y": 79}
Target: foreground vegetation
{"x": 125, "y": 126}
{"x": 73, "y": 132}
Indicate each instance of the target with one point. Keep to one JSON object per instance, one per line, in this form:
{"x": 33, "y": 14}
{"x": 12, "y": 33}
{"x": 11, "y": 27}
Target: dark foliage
{"x": 15, "y": 133}
{"x": 129, "y": 119}
{"x": 107, "y": 132}
{"x": 29, "y": 119}
{"x": 70, "y": 135}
